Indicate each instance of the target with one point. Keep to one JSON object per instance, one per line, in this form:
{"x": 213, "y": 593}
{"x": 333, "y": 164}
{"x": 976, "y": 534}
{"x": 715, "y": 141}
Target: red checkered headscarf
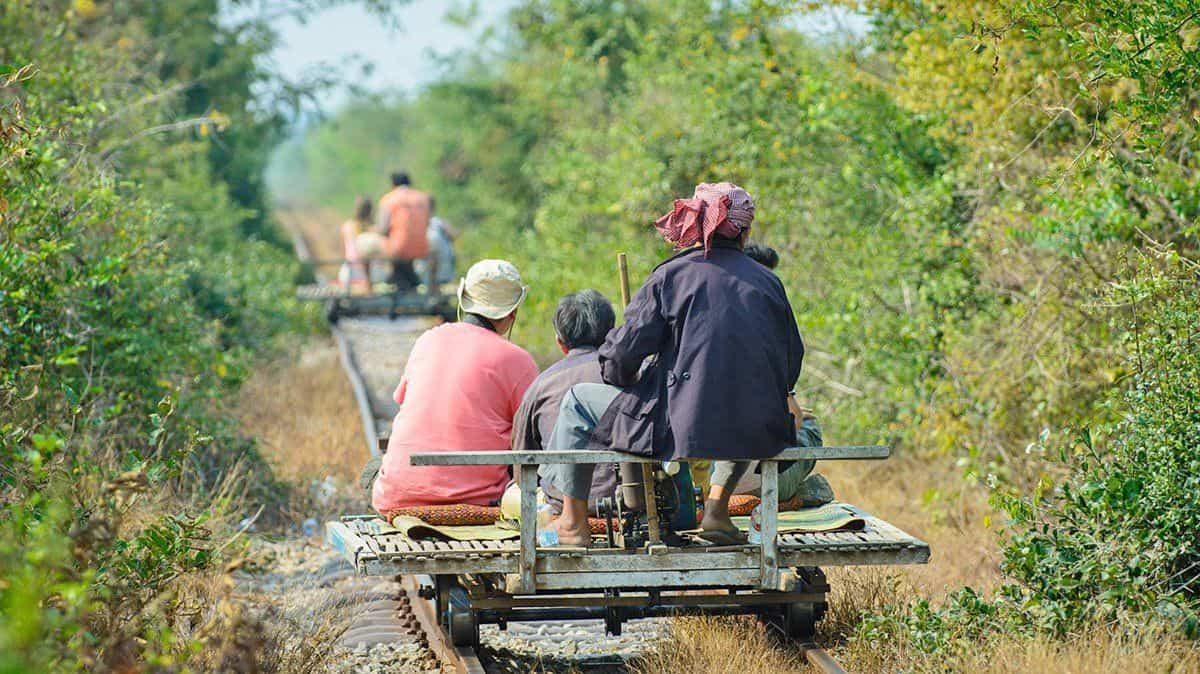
{"x": 715, "y": 208}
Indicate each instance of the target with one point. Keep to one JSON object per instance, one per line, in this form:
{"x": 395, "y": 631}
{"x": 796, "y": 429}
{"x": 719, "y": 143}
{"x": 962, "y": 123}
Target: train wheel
{"x": 797, "y": 622}
{"x": 460, "y": 620}
{"x": 443, "y": 583}
{"x": 800, "y": 619}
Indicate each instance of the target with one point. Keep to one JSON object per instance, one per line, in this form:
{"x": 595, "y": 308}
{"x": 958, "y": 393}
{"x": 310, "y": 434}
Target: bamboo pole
{"x": 647, "y": 471}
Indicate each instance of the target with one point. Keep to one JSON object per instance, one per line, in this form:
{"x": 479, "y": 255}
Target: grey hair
{"x": 583, "y": 319}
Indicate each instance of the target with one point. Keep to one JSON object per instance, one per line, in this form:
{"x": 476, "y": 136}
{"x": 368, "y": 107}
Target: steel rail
{"x": 361, "y": 395}
{"x": 346, "y": 355}
{"x": 463, "y": 660}
{"x": 818, "y": 658}
{"x": 303, "y": 251}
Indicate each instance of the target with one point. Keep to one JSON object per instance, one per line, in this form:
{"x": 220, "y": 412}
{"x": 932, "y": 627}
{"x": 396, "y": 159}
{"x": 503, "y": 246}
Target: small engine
{"x": 674, "y": 494}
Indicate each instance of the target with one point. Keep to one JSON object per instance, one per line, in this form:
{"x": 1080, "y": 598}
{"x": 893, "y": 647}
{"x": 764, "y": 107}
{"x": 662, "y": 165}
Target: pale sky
{"x": 406, "y": 57}
{"x": 402, "y": 58}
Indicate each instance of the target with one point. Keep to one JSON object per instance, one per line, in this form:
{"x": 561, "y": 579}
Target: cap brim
{"x": 468, "y": 305}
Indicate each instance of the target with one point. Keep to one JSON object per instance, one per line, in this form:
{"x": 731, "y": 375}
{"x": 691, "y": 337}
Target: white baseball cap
{"x": 492, "y": 289}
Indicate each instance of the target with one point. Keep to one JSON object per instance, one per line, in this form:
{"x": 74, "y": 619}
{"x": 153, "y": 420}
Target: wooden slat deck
{"x": 330, "y": 291}
{"x": 375, "y": 553}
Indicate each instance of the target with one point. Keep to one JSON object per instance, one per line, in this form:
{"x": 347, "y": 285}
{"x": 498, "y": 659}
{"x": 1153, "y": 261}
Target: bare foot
{"x": 576, "y": 536}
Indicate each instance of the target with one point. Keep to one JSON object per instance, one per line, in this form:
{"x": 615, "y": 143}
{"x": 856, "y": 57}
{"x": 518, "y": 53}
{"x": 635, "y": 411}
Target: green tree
{"x": 138, "y": 282}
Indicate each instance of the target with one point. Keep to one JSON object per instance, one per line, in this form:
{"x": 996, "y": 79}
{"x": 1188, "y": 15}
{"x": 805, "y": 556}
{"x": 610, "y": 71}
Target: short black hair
{"x": 400, "y": 178}
{"x": 764, "y": 255}
{"x": 583, "y": 319}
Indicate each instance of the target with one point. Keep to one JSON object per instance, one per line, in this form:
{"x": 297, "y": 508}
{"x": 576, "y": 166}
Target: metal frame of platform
{"x": 375, "y": 553}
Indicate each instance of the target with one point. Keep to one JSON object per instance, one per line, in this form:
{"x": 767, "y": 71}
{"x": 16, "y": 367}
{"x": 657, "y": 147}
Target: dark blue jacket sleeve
{"x": 642, "y": 334}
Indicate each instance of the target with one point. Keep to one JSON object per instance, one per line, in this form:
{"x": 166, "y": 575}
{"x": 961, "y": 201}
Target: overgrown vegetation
{"x": 988, "y": 218}
{"x": 140, "y": 276}
{"x": 987, "y": 213}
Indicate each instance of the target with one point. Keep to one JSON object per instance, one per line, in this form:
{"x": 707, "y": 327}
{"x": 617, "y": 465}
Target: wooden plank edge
{"x": 577, "y": 456}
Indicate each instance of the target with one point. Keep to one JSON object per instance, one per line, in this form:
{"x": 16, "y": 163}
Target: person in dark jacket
{"x": 581, "y": 322}
{"x": 701, "y": 368}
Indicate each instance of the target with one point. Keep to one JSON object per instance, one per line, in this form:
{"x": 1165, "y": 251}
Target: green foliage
{"x": 139, "y": 277}
{"x": 1116, "y": 541}
{"x": 951, "y": 630}
{"x": 564, "y": 153}
{"x": 955, "y": 200}
{"x": 1119, "y": 535}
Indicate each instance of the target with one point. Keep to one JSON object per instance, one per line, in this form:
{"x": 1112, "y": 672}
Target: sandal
{"x": 719, "y": 537}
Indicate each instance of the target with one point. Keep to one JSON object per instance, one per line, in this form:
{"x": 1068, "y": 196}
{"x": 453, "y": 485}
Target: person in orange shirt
{"x": 404, "y": 219}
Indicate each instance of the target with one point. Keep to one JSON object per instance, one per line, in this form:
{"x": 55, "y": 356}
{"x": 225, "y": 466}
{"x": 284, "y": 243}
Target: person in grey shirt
{"x": 581, "y": 322}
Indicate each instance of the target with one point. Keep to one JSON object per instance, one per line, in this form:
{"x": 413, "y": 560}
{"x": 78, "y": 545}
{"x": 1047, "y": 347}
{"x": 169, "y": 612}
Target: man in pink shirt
{"x": 461, "y": 387}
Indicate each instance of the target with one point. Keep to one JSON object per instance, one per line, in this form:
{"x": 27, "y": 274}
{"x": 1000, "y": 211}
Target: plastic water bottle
{"x": 755, "y": 534}
{"x": 546, "y": 535}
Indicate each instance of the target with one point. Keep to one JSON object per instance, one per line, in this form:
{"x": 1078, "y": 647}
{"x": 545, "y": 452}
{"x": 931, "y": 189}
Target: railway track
{"x": 410, "y": 613}
{"x": 403, "y": 614}
{"x": 383, "y": 342}
{"x": 574, "y": 646}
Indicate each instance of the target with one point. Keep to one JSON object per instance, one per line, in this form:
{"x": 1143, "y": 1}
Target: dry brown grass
{"x": 264, "y": 622}
{"x": 1097, "y": 651}
{"x": 859, "y": 591}
{"x": 931, "y": 501}
{"x": 741, "y": 645}
{"x": 708, "y": 644}
{"x": 302, "y": 412}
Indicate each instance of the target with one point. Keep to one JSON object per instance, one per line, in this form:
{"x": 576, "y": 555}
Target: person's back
{"x": 441, "y": 250}
{"x": 581, "y": 322}
{"x": 407, "y": 211}
{"x": 461, "y": 387}
{"x": 726, "y": 353}
{"x": 354, "y": 270}
{"x": 729, "y": 355}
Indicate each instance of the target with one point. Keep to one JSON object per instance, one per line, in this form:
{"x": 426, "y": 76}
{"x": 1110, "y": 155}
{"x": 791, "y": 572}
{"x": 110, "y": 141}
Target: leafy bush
{"x": 1120, "y": 534}
{"x": 1116, "y": 542}
{"x": 135, "y": 291}
{"x": 564, "y": 152}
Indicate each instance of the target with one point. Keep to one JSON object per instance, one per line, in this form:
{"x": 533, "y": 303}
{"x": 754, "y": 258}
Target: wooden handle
{"x": 623, "y": 268}
{"x": 652, "y": 522}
